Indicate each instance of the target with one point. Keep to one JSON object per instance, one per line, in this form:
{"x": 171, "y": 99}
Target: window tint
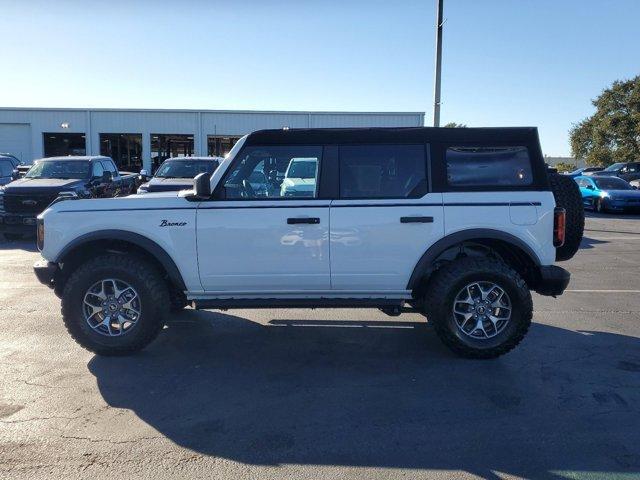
{"x": 97, "y": 169}
{"x": 109, "y": 167}
{"x": 383, "y": 171}
{"x": 6, "y": 168}
{"x": 488, "y": 166}
{"x": 275, "y": 172}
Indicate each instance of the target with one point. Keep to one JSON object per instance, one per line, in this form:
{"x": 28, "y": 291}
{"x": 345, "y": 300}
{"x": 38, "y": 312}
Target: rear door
{"x": 385, "y": 217}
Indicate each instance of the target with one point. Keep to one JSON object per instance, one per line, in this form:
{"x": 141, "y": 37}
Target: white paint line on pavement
{"x": 601, "y": 291}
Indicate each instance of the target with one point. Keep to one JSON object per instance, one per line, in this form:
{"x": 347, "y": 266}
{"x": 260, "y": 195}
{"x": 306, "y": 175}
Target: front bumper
{"x": 17, "y": 223}
{"x": 46, "y": 272}
{"x": 552, "y": 281}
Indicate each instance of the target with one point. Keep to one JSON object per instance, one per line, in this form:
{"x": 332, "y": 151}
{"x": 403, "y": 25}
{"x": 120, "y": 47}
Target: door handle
{"x": 298, "y": 220}
{"x": 416, "y": 219}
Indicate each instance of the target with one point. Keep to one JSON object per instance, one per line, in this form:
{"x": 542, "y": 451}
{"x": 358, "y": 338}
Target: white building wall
{"x": 200, "y": 124}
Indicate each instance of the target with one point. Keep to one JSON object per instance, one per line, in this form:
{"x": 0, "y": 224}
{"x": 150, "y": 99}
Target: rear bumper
{"x": 553, "y": 280}
{"x": 46, "y": 272}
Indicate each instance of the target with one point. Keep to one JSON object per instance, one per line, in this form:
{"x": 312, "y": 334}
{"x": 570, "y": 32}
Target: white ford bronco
{"x": 459, "y": 224}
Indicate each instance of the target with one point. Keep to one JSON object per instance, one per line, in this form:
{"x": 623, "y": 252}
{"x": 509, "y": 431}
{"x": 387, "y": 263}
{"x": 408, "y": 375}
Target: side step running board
{"x": 226, "y": 303}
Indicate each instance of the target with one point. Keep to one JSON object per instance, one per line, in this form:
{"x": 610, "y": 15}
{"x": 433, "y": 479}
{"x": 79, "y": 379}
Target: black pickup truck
{"x": 84, "y": 177}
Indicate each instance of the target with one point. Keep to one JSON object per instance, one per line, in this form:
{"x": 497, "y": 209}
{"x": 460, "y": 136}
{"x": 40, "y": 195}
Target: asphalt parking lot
{"x": 330, "y": 393}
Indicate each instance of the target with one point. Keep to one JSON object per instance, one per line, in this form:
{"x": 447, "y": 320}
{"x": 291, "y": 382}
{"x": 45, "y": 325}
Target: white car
{"x": 300, "y": 178}
{"x": 458, "y": 224}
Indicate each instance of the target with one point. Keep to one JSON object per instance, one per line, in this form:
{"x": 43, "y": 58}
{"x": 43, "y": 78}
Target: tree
{"x": 455, "y": 125}
{"x": 565, "y": 167}
{"x": 612, "y": 133}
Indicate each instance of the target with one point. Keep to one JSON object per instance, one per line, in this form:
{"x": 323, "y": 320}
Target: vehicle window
{"x": 109, "y": 167}
{"x": 98, "y": 170}
{"x": 488, "y": 166}
{"x": 614, "y": 167}
{"x": 581, "y": 182}
{"x": 59, "y": 169}
{"x": 612, "y": 183}
{"x": 185, "y": 168}
{"x": 382, "y": 171}
{"x": 6, "y": 168}
{"x": 275, "y": 172}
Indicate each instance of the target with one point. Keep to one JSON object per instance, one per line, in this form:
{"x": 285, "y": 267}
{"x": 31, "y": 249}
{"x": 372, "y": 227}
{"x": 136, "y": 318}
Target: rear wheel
{"x": 480, "y": 307}
{"x": 115, "y": 304}
{"x": 567, "y": 195}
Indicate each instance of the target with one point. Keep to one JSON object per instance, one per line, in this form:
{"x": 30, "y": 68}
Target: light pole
{"x": 436, "y": 89}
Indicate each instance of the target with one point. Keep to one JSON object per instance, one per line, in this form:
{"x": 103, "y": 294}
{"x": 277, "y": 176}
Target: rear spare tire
{"x": 567, "y": 195}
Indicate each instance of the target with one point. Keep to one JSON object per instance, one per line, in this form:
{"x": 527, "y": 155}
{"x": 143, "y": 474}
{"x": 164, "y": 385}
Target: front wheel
{"x": 115, "y": 304}
{"x": 480, "y": 307}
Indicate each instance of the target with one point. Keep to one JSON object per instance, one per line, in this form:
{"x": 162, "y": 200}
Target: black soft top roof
{"x": 328, "y": 136}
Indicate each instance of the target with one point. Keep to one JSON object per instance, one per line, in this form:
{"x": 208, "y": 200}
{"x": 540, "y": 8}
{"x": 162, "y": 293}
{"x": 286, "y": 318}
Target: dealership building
{"x": 138, "y": 139}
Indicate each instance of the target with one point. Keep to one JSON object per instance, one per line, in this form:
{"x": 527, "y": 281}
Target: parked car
{"x": 178, "y": 173}
{"x": 14, "y": 160}
{"x": 585, "y": 171}
{"x": 7, "y": 169}
{"x": 412, "y": 228}
{"x": 82, "y": 177}
{"x": 627, "y": 171}
{"x": 603, "y": 194}
{"x": 300, "y": 178}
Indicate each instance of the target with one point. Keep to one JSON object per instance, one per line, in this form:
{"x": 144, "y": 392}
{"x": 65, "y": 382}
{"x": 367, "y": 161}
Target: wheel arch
{"x": 516, "y": 248}
{"x": 123, "y": 241}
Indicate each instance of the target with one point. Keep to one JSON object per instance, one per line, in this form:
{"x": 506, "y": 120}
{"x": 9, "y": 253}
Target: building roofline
{"x": 180, "y": 110}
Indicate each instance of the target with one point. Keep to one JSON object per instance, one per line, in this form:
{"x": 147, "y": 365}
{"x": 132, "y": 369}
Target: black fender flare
{"x": 151, "y": 247}
{"x": 449, "y": 241}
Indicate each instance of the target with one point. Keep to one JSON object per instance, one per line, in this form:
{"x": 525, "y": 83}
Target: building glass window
{"x": 64, "y": 144}
{"x": 124, "y": 148}
{"x": 164, "y": 146}
{"x": 219, "y": 146}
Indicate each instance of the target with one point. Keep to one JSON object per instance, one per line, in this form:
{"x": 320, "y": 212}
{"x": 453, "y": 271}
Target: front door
{"x": 384, "y": 220}
{"x": 266, "y": 235}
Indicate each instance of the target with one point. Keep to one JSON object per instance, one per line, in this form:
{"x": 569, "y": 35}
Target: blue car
{"x": 603, "y": 194}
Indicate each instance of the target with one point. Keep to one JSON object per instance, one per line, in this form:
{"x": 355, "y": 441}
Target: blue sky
{"x": 506, "y": 62}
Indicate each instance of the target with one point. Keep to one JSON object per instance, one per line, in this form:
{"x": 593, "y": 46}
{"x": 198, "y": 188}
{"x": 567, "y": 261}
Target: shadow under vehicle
{"x": 369, "y": 394}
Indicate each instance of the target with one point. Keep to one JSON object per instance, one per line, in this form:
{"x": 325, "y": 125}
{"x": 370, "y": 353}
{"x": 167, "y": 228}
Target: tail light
{"x": 40, "y": 234}
{"x": 559, "y": 226}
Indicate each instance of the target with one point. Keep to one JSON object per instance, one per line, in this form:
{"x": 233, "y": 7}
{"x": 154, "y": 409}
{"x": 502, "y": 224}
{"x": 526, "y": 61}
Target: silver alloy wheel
{"x": 482, "y": 310}
{"x": 111, "y": 307}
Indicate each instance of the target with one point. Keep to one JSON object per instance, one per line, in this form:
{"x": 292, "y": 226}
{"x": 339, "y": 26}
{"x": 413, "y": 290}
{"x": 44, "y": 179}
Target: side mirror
{"x": 144, "y": 174}
{"x": 590, "y": 187}
{"x": 15, "y": 174}
{"x": 202, "y": 185}
{"x": 106, "y": 177}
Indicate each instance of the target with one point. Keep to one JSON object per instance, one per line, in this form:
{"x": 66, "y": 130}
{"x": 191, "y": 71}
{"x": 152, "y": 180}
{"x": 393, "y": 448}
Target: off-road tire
{"x": 567, "y": 195}
{"x": 445, "y": 284}
{"x": 143, "y": 277}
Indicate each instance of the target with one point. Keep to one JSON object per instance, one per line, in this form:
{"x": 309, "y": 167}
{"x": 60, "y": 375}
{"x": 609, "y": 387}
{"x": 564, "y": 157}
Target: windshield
{"x": 185, "y": 168}
{"x": 615, "y": 166}
{"x": 612, "y": 183}
{"x": 302, "y": 169}
{"x": 59, "y": 169}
